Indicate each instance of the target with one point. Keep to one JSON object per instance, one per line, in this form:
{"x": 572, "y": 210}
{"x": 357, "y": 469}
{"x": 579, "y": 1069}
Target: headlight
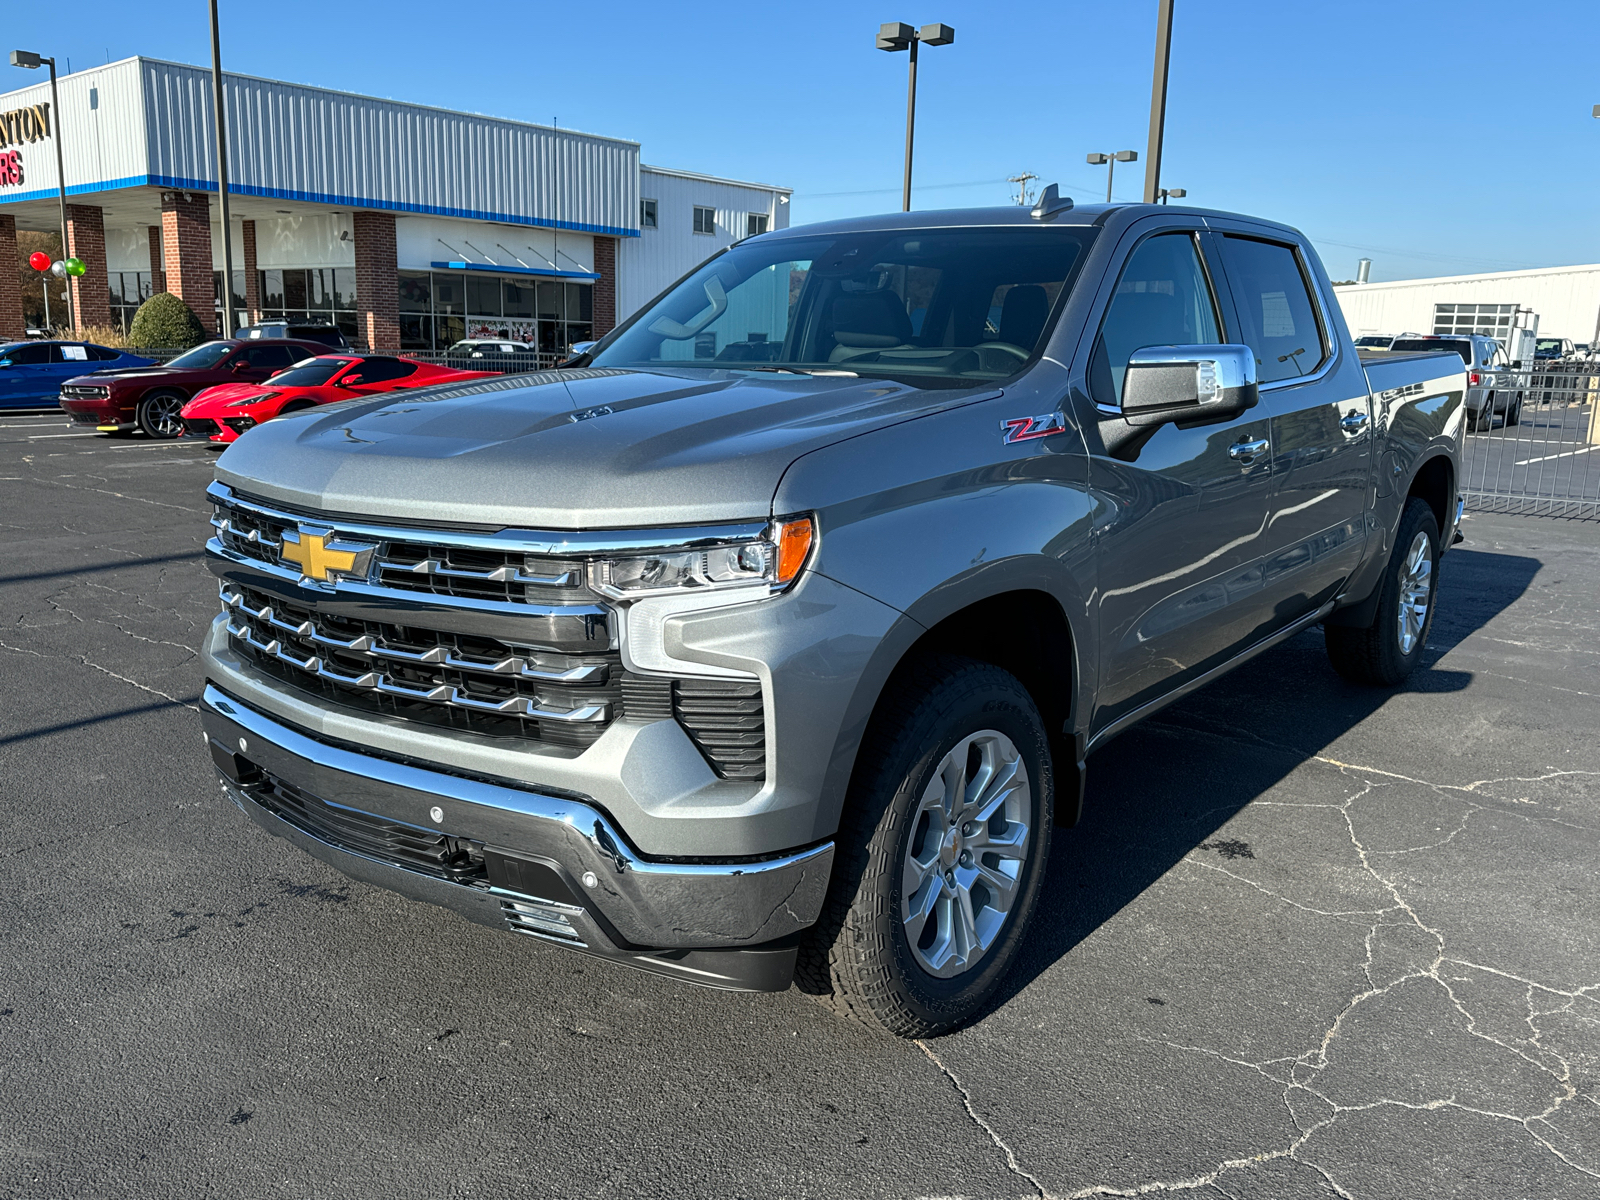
{"x": 770, "y": 562}
{"x": 249, "y": 400}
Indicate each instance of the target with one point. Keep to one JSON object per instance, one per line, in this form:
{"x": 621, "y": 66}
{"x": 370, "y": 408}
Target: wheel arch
{"x": 1434, "y": 481}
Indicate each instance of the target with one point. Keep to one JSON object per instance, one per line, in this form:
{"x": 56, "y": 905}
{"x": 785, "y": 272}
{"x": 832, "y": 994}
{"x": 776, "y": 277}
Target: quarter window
{"x": 648, "y": 216}
{"x": 705, "y": 219}
{"x": 1162, "y": 299}
{"x": 1278, "y": 319}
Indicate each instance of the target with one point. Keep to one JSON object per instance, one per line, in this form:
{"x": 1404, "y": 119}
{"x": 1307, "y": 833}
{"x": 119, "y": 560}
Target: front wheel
{"x": 158, "y": 415}
{"x": 1388, "y": 650}
{"x": 941, "y": 854}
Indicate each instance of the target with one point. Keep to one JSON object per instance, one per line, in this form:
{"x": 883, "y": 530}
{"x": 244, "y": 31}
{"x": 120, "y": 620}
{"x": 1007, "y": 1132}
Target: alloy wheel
{"x": 1416, "y": 591}
{"x": 965, "y": 854}
{"x": 161, "y": 415}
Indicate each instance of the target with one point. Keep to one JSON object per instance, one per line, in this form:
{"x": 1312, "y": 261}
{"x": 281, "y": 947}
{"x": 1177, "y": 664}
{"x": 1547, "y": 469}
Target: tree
{"x": 165, "y": 322}
{"x": 33, "y": 282}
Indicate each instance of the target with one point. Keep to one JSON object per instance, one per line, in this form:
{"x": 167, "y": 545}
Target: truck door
{"x": 1322, "y": 431}
{"x": 1178, "y": 540}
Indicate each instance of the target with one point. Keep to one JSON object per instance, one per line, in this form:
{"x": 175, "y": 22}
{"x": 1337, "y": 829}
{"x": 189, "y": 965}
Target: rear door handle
{"x": 1353, "y": 422}
{"x": 1246, "y": 452}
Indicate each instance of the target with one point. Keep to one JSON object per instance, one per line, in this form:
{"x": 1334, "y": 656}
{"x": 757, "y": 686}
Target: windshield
{"x": 1437, "y": 345}
{"x": 933, "y": 307}
{"x": 208, "y": 355}
{"x": 310, "y": 372}
{"x": 1547, "y": 346}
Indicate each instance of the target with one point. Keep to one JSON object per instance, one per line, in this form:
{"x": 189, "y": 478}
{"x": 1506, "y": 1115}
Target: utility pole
{"x": 897, "y": 35}
{"x": 26, "y": 58}
{"x": 1158, "y": 103}
{"x": 1024, "y": 190}
{"x": 229, "y": 325}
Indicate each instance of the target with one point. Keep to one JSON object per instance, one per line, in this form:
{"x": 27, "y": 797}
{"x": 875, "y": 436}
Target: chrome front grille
{"x": 558, "y": 698}
{"x": 471, "y": 567}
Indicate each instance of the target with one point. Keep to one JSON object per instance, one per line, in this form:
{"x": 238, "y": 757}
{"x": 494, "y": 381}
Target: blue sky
{"x": 1435, "y": 138}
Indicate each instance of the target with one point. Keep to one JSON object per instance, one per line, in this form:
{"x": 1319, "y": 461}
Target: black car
{"x": 327, "y": 335}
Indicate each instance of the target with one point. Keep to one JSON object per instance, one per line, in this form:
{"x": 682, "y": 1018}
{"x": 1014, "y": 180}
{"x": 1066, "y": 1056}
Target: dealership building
{"x": 1552, "y": 301}
{"x": 409, "y": 227}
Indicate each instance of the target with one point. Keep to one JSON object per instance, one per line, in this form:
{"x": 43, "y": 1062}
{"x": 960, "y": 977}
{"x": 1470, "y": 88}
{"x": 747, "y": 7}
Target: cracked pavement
{"x": 1309, "y": 940}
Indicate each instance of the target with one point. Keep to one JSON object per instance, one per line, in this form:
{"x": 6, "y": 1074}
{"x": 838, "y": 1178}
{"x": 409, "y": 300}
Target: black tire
{"x": 294, "y": 406}
{"x": 859, "y": 957}
{"x": 1377, "y": 654}
{"x": 1514, "y": 413}
{"x": 158, "y": 415}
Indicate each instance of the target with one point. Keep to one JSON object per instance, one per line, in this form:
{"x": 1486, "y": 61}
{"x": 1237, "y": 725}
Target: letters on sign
{"x": 24, "y": 125}
{"x": 10, "y": 168}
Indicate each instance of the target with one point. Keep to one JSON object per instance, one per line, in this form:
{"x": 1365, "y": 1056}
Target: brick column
{"x": 186, "y": 246}
{"x": 12, "y": 326}
{"x": 252, "y": 280}
{"x": 377, "y": 281}
{"x": 605, "y": 288}
{"x": 158, "y": 277}
{"x": 91, "y": 297}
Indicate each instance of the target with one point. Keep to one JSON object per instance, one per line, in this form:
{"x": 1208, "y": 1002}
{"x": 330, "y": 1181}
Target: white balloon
{"x": 58, "y": 269}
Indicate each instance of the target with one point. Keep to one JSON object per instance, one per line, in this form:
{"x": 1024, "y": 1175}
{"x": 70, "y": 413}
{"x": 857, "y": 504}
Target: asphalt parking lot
{"x": 1310, "y": 940}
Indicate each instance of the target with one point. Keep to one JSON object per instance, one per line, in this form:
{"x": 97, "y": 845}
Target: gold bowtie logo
{"x": 320, "y": 556}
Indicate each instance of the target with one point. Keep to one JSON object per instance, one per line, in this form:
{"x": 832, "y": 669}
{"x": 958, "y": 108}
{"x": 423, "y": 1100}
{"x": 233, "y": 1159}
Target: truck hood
{"x": 581, "y": 449}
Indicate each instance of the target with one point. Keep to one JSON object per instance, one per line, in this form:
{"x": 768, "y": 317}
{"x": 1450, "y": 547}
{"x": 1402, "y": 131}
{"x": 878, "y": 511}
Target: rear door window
{"x": 1278, "y": 318}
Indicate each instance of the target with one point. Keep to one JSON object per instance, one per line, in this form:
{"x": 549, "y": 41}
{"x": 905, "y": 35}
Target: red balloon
{"x": 39, "y": 260}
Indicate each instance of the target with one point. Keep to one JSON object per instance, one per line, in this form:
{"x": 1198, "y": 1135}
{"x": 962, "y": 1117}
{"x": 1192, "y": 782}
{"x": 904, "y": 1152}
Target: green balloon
{"x": 75, "y": 266}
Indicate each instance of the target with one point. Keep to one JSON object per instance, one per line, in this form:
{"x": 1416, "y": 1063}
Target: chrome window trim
{"x": 1332, "y": 354}
{"x": 545, "y": 543}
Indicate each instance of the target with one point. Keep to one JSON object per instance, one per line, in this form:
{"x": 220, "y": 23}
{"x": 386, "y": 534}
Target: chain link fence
{"x": 1541, "y": 456}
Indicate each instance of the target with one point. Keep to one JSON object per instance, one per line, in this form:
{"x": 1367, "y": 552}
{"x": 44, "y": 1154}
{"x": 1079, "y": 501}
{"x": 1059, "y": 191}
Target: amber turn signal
{"x": 794, "y": 543}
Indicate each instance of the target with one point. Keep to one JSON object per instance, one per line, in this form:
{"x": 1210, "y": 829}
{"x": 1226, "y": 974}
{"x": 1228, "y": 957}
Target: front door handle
{"x": 1246, "y": 452}
{"x": 1353, "y": 422}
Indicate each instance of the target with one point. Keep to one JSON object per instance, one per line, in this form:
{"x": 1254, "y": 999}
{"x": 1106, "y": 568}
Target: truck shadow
{"x": 1166, "y": 786}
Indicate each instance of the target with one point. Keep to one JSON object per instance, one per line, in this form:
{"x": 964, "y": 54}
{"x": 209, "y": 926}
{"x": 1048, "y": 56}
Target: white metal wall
{"x": 306, "y": 143}
{"x": 101, "y": 124}
{"x": 649, "y": 263}
{"x": 1566, "y": 299}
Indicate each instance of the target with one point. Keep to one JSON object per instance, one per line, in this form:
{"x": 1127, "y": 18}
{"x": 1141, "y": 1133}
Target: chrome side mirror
{"x": 1188, "y": 385}
{"x": 582, "y": 347}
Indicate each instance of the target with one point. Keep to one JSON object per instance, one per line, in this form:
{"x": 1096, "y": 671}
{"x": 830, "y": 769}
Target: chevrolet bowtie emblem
{"x": 321, "y": 556}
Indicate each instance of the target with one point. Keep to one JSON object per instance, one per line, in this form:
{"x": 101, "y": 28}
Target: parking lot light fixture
{"x": 32, "y": 62}
{"x": 1174, "y": 193}
{"x": 1110, "y": 161}
{"x": 897, "y": 35}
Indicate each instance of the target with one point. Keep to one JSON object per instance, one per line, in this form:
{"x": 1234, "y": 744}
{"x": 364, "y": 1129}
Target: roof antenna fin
{"x": 1051, "y": 203}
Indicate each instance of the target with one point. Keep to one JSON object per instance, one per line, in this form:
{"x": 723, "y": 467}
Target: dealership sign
{"x": 24, "y": 125}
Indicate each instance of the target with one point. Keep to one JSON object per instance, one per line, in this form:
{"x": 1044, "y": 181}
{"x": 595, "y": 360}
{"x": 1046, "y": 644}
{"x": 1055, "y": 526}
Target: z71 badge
{"x": 1022, "y": 429}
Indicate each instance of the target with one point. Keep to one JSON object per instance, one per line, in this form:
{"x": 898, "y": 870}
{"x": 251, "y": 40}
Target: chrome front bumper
{"x": 722, "y": 924}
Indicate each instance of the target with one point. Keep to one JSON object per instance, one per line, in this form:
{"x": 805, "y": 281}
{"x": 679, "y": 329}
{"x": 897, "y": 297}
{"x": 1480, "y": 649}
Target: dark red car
{"x": 150, "y": 398}
{"x": 222, "y": 413}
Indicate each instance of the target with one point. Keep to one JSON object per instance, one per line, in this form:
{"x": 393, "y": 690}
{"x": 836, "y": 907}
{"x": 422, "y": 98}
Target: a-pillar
{"x": 91, "y": 295}
{"x": 377, "y": 282}
{"x": 12, "y": 327}
{"x": 186, "y": 247}
{"x": 252, "y": 281}
{"x": 158, "y": 277}
{"x": 604, "y": 315}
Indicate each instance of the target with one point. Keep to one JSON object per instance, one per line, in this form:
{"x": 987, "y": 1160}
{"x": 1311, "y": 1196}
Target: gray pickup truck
{"x": 766, "y": 641}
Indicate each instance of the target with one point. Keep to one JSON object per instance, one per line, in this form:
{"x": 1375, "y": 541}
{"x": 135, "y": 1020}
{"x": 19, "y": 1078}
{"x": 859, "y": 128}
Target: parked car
{"x": 1373, "y": 342}
{"x": 323, "y": 334}
{"x": 150, "y": 398}
{"x": 1493, "y": 385}
{"x": 475, "y": 353}
{"x": 220, "y": 414}
{"x": 31, "y": 373}
{"x": 1553, "y": 349}
{"x": 752, "y": 672}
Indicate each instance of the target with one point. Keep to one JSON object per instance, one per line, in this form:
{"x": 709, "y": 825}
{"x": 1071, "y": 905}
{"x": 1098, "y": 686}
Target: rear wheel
{"x": 941, "y": 852}
{"x": 1514, "y": 413}
{"x": 1388, "y": 650}
{"x": 158, "y": 415}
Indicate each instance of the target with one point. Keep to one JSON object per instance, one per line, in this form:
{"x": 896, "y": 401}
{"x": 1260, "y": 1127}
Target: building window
{"x": 440, "y": 308}
{"x": 128, "y": 290}
{"x": 705, "y": 219}
{"x": 755, "y": 223}
{"x": 310, "y": 296}
{"x": 1491, "y": 320}
{"x": 647, "y": 215}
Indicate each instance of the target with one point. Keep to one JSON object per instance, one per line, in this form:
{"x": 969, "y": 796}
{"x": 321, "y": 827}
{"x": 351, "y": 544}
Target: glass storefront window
{"x": 449, "y": 294}
{"x": 344, "y": 287}
{"x": 483, "y": 295}
{"x": 440, "y": 308}
{"x": 518, "y": 299}
{"x": 551, "y": 302}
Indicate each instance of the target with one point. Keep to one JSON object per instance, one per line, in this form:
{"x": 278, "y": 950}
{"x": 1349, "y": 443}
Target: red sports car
{"x": 220, "y": 414}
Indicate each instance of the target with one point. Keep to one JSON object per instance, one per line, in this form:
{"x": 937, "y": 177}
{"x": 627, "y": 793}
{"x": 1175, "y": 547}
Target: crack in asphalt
{"x": 966, "y": 1101}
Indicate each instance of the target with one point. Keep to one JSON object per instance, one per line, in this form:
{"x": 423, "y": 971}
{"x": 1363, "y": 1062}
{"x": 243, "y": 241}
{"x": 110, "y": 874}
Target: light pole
{"x": 897, "y": 35}
{"x": 1110, "y": 161}
{"x": 1158, "y": 101}
{"x": 1175, "y": 193}
{"x": 221, "y": 117}
{"x": 32, "y": 61}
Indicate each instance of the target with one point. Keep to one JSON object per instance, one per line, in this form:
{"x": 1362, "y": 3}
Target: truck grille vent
{"x": 647, "y": 698}
{"x": 444, "y": 678}
{"x": 540, "y": 920}
{"x": 726, "y": 721}
{"x": 425, "y": 850}
{"x": 422, "y": 566}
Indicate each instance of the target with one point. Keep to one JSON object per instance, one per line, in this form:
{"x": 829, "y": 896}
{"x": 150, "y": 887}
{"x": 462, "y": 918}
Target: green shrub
{"x": 165, "y": 322}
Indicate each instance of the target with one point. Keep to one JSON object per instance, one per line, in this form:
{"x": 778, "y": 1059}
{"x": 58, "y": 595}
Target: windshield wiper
{"x": 796, "y": 370}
